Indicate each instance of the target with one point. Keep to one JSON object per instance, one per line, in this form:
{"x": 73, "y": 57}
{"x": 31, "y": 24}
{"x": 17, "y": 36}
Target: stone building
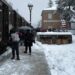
{"x": 51, "y": 19}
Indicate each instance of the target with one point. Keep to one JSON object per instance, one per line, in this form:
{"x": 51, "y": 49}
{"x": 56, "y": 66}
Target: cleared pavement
{"x": 34, "y": 64}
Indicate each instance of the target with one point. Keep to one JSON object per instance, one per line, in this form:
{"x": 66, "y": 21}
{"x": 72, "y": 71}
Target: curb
{"x": 5, "y": 54}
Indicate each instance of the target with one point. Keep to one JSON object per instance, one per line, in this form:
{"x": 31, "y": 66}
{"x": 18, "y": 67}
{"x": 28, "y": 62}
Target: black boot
{"x": 18, "y": 58}
{"x": 12, "y": 57}
{"x": 25, "y": 51}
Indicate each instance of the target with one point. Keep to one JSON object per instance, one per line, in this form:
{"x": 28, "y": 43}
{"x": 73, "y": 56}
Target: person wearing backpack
{"x": 15, "y": 43}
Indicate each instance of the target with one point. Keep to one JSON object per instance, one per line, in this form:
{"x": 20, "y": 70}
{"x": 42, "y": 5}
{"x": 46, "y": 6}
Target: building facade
{"x": 51, "y": 20}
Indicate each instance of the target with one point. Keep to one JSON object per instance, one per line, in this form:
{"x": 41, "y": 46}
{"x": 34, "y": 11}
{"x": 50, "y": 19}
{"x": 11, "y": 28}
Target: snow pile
{"x": 54, "y": 33}
{"x": 4, "y": 55}
{"x": 61, "y": 58}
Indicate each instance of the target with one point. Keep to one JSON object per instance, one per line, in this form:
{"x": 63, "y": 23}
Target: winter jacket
{"x": 28, "y": 39}
{"x": 15, "y": 37}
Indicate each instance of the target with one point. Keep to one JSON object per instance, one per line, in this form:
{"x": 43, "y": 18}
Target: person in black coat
{"x": 28, "y": 42}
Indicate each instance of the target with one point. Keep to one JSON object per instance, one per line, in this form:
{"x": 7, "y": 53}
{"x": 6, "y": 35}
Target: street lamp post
{"x": 30, "y": 9}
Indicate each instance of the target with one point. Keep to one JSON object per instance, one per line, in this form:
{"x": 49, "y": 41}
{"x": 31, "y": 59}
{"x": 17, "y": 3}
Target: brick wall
{"x": 54, "y": 22}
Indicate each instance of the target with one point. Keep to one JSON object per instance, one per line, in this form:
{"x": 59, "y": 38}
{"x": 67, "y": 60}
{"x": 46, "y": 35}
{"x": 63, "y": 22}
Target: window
{"x": 49, "y": 16}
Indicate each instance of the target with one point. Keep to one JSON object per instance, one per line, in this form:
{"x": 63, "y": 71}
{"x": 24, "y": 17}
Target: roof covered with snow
{"x": 54, "y": 33}
{"x": 51, "y": 8}
{"x": 54, "y": 7}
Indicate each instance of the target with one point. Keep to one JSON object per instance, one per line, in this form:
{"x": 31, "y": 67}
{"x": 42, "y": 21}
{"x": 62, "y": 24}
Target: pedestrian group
{"x": 14, "y": 39}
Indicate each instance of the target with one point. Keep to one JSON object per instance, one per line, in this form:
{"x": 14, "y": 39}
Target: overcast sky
{"x": 21, "y": 6}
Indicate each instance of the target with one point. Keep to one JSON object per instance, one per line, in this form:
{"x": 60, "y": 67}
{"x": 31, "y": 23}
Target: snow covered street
{"x": 46, "y": 28}
{"x": 27, "y": 65}
{"x": 60, "y": 59}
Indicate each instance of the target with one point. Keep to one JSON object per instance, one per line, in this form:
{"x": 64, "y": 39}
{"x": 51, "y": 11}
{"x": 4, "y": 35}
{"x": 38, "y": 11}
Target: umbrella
{"x": 25, "y": 28}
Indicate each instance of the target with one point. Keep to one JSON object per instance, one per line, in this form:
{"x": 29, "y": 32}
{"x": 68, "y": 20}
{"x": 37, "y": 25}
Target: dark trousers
{"x": 28, "y": 47}
{"x": 15, "y": 49}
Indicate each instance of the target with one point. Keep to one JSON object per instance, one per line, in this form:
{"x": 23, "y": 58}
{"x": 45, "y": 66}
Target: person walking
{"x": 15, "y": 43}
{"x": 28, "y": 41}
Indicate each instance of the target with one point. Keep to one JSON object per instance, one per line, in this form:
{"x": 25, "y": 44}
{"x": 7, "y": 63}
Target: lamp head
{"x": 30, "y": 6}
